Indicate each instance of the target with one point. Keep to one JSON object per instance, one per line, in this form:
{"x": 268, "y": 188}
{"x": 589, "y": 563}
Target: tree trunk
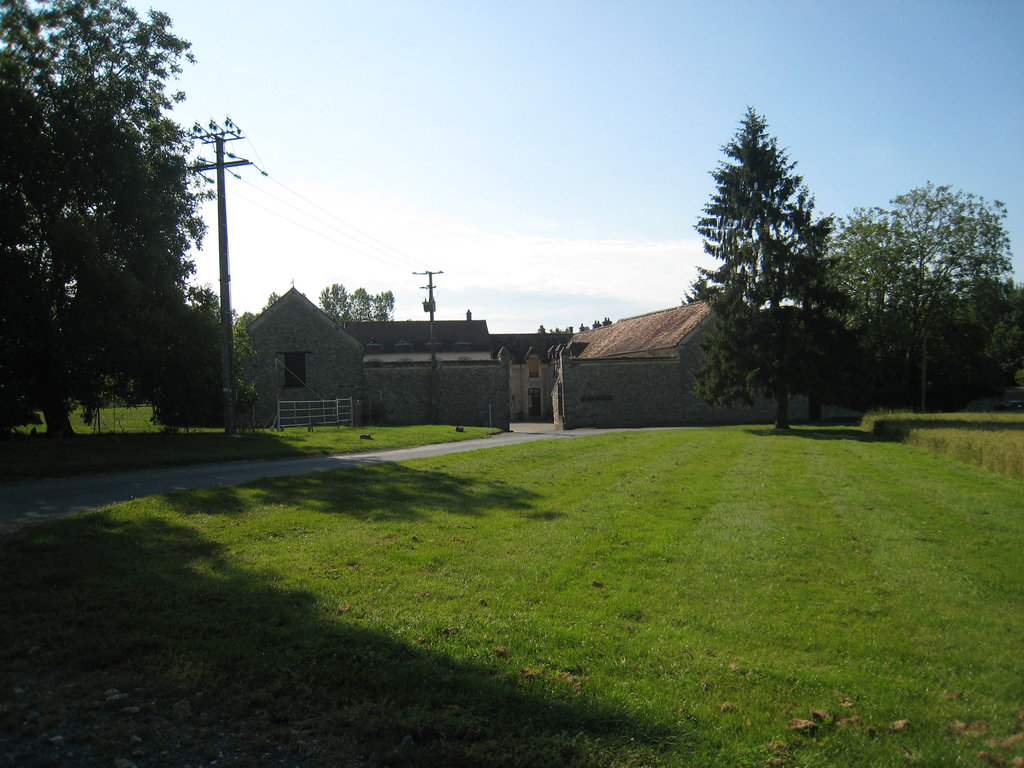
{"x": 58, "y": 421}
{"x": 781, "y": 407}
{"x": 814, "y": 407}
{"x": 924, "y": 371}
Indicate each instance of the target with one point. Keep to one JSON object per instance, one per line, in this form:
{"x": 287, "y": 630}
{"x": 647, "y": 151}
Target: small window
{"x": 295, "y": 369}
{"x": 533, "y": 364}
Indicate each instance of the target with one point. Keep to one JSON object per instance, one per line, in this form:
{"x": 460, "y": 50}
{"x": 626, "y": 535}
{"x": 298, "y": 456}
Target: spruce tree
{"x": 770, "y": 300}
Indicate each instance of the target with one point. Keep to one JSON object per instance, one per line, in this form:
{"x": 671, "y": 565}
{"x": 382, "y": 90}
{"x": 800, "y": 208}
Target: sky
{"x": 552, "y": 158}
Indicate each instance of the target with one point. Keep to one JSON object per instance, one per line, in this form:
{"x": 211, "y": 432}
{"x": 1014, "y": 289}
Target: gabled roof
{"x": 470, "y": 335}
{"x": 655, "y": 334}
{"x": 298, "y": 300}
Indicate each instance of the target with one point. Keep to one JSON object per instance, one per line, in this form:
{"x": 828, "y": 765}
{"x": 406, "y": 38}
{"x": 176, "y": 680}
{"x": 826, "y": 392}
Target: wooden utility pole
{"x": 430, "y": 306}
{"x": 218, "y": 136}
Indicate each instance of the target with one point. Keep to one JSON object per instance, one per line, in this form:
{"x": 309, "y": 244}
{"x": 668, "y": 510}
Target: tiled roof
{"x": 656, "y": 334}
{"x": 470, "y": 335}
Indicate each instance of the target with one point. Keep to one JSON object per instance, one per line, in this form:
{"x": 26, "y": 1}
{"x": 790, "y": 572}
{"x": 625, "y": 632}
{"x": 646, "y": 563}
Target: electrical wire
{"x": 379, "y": 250}
{"x": 375, "y": 244}
{"x": 375, "y": 256}
{"x": 383, "y": 256}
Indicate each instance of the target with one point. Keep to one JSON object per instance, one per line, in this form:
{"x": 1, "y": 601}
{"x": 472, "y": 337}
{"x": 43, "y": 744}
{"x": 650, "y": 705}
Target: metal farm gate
{"x": 310, "y": 413}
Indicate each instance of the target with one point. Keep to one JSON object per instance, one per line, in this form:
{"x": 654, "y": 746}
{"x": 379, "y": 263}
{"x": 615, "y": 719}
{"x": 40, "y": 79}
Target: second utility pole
{"x": 430, "y": 306}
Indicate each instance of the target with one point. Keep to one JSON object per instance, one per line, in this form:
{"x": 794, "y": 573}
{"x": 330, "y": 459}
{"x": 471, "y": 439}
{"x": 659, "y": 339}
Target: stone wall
{"x": 619, "y": 393}
{"x": 473, "y": 393}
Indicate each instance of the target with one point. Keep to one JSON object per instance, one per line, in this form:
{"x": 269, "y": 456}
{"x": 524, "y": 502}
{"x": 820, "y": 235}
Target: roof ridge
{"x": 660, "y": 311}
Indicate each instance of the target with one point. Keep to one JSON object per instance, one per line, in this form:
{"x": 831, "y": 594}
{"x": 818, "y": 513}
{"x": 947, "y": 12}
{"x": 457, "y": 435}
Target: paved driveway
{"x": 25, "y": 503}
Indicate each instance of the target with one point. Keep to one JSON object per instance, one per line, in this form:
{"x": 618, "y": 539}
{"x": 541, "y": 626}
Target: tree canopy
{"x": 98, "y": 203}
{"x": 341, "y": 306}
{"x": 927, "y": 282}
{"x": 770, "y": 297}
{"x": 187, "y": 391}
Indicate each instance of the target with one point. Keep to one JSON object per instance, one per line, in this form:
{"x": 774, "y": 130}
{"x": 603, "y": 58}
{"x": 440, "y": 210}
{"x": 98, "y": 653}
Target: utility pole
{"x": 430, "y": 306}
{"x": 218, "y": 136}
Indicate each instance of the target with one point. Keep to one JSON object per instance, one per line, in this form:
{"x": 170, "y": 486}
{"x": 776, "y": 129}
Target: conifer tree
{"x": 772, "y": 329}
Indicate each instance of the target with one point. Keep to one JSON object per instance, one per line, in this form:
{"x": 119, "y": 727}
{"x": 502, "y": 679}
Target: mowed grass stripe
{"x": 660, "y": 598}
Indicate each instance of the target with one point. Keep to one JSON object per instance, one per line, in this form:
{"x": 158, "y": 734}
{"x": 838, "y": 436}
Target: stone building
{"x": 529, "y": 360}
{"x": 636, "y": 372}
{"x": 531, "y": 371}
{"x": 299, "y": 353}
{"x": 640, "y": 372}
{"x": 410, "y": 340}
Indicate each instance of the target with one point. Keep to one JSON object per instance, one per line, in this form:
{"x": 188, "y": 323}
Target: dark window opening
{"x": 533, "y": 364}
{"x": 295, "y": 369}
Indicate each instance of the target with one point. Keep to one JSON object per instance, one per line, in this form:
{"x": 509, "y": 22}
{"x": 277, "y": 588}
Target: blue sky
{"x": 552, "y": 157}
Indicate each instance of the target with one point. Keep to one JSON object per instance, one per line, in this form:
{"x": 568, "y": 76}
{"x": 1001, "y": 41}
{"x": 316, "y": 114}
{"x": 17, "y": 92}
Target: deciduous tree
{"x": 342, "y": 306}
{"x": 188, "y": 389}
{"x": 924, "y": 278}
{"x": 770, "y": 297}
{"x": 98, "y": 205}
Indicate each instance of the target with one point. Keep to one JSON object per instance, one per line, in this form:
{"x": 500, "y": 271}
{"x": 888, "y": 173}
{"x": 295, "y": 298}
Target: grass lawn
{"x": 718, "y": 597}
{"x": 29, "y": 458}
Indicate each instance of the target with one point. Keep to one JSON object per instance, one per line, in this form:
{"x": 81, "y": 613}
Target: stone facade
{"x": 636, "y": 372}
{"x": 531, "y": 371}
{"x": 300, "y": 354}
{"x": 531, "y": 384}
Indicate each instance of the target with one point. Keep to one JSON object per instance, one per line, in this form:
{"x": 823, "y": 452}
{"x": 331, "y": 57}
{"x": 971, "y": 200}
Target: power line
{"x": 401, "y": 263}
{"x": 379, "y": 250}
{"x": 409, "y": 259}
{"x": 375, "y": 244}
{"x": 328, "y": 238}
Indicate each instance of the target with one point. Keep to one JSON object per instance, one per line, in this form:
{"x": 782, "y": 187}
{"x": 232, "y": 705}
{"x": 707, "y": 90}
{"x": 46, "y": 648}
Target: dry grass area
{"x": 994, "y": 441}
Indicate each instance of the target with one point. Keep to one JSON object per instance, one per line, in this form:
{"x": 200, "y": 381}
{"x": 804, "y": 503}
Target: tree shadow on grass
{"x": 138, "y": 619}
{"x": 811, "y": 432}
{"x": 376, "y": 492}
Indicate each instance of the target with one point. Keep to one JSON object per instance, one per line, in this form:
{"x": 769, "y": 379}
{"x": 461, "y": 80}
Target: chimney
{"x": 469, "y": 315}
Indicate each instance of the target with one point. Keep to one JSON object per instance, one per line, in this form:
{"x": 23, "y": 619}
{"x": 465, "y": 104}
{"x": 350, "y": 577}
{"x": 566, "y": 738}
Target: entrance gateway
{"x": 533, "y": 400}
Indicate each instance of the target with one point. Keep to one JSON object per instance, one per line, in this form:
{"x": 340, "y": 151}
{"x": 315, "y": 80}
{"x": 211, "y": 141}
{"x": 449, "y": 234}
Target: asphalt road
{"x": 22, "y": 504}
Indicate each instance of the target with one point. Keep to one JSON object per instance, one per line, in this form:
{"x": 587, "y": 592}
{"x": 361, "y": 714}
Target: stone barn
{"x": 640, "y": 372}
{"x": 300, "y": 354}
